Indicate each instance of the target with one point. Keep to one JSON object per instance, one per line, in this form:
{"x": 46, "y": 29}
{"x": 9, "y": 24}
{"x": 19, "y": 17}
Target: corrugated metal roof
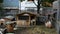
{"x": 9, "y": 17}
{"x": 25, "y": 4}
{"x": 12, "y": 12}
{"x": 11, "y": 3}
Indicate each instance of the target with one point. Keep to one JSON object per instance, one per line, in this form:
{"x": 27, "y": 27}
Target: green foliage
{"x": 43, "y": 2}
{"x": 48, "y": 1}
{"x": 1, "y": 1}
{"x": 21, "y": 0}
{"x": 1, "y": 8}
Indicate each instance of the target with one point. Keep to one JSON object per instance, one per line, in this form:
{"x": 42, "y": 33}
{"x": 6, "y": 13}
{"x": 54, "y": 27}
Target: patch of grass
{"x": 42, "y": 30}
{"x": 39, "y": 30}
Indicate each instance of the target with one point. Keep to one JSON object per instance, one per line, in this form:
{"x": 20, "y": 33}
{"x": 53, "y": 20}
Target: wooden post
{"x": 17, "y": 20}
{"x": 35, "y": 21}
{"x": 29, "y": 20}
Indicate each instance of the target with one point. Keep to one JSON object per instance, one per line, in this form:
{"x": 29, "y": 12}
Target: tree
{"x": 1, "y": 1}
{"x": 21, "y": 0}
{"x": 47, "y": 3}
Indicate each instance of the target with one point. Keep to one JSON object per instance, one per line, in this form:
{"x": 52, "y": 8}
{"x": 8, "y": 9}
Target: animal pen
{"x": 26, "y": 19}
{"x": 56, "y": 8}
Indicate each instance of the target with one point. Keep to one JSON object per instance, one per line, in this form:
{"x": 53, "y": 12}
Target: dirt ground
{"x": 37, "y": 30}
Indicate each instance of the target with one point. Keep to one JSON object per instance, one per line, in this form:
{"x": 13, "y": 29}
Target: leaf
{"x": 1, "y": 1}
